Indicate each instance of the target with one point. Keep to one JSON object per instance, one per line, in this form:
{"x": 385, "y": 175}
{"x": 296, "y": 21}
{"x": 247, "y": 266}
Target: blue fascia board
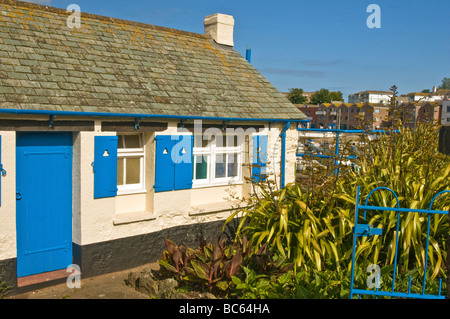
{"x": 142, "y": 116}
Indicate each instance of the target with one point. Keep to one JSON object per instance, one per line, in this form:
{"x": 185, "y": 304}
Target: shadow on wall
{"x": 111, "y": 256}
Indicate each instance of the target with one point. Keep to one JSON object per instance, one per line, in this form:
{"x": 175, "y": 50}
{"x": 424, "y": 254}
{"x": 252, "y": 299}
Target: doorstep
{"x": 44, "y": 277}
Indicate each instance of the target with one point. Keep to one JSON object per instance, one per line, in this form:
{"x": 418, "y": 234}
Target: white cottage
{"x": 117, "y": 134}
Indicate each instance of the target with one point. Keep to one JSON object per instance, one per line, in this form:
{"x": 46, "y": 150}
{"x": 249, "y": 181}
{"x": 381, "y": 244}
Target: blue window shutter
{"x": 174, "y": 162}
{"x": 164, "y": 165}
{"x": 183, "y": 157}
{"x": 255, "y": 167}
{"x": 259, "y": 158}
{"x": 105, "y": 166}
{"x": 263, "y": 155}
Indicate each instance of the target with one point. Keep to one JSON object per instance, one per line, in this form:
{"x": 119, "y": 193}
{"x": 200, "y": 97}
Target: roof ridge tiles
{"x": 29, "y": 5}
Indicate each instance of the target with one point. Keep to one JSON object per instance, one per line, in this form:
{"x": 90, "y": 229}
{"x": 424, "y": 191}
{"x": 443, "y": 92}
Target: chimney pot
{"x": 220, "y": 28}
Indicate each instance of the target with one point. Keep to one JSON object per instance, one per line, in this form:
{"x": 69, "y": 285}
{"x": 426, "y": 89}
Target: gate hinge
{"x": 366, "y": 230}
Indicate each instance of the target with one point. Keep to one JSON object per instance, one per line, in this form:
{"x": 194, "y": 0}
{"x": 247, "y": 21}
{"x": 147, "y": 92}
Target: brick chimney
{"x": 220, "y": 28}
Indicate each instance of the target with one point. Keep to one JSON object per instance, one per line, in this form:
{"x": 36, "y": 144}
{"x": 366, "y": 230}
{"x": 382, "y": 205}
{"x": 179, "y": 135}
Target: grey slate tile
{"x": 127, "y": 67}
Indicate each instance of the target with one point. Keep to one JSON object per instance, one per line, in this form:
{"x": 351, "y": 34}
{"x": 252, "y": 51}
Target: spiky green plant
{"x": 408, "y": 163}
{"x": 314, "y": 229}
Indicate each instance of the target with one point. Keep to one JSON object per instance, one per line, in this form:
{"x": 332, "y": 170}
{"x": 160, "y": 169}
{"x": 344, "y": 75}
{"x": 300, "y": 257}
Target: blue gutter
{"x": 52, "y": 114}
{"x": 142, "y": 116}
{"x": 283, "y": 155}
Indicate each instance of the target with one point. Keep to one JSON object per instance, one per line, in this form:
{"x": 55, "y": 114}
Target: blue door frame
{"x": 43, "y": 202}
{"x": 363, "y": 229}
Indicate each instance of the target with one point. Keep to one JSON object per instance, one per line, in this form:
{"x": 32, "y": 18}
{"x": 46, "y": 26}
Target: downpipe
{"x": 283, "y": 155}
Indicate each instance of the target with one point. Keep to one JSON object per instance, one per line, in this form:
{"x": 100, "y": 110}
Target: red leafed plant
{"x": 214, "y": 264}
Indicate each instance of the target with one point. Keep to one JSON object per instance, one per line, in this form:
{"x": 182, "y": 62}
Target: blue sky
{"x": 315, "y": 44}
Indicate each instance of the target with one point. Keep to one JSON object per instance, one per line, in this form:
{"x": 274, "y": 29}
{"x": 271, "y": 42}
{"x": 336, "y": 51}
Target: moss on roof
{"x": 118, "y": 66}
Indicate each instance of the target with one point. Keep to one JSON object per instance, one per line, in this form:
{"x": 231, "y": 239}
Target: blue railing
{"x": 361, "y": 229}
{"x": 337, "y": 156}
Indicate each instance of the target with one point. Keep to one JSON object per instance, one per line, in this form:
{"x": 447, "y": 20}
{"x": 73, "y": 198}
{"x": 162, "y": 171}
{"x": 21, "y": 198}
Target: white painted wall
{"x": 99, "y": 220}
{"x": 8, "y": 248}
{"x": 96, "y": 215}
{"x": 292, "y": 138}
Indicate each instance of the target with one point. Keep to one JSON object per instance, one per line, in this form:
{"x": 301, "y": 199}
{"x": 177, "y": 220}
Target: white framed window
{"x": 130, "y": 163}
{"x": 217, "y": 159}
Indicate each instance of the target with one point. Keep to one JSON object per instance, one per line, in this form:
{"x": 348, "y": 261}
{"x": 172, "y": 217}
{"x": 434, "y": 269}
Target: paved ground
{"x": 109, "y": 286}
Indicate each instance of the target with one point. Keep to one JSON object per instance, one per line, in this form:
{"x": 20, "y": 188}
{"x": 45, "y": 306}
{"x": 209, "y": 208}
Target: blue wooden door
{"x": 44, "y": 202}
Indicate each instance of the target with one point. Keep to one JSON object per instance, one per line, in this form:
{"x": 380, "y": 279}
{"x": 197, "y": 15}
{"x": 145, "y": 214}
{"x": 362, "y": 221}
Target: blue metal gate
{"x": 362, "y": 229}
{"x": 44, "y": 202}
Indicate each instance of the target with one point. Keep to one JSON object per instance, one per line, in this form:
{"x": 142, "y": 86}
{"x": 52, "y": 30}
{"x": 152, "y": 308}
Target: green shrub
{"x": 314, "y": 229}
{"x": 213, "y": 265}
{"x": 297, "y": 243}
{"x": 301, "y": 285}
{"x": 408, "y": 163}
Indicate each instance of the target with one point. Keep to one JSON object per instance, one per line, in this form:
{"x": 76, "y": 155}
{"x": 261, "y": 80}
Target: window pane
{"x": 220, "y": 166}
{"x": 133, "y": 170}
{"x": 120, "y": 171}
{"x": 201, "y": 167}
{"x": 232, "y": 165}
{"x": 132, "y": 141}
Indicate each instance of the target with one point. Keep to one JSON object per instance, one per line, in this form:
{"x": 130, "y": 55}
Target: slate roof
{"x": 118, "y": 66}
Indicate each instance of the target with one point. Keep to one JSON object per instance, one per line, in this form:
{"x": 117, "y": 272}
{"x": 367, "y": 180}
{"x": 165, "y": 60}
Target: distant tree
{"x": 396, "y": 113}
{"x": 321, "y": 96}
{"x": 296, "y": 96}
{"x": 445, "y": 84}
{"x": 336, "y": 96}
{"x": 426, "y": 91}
